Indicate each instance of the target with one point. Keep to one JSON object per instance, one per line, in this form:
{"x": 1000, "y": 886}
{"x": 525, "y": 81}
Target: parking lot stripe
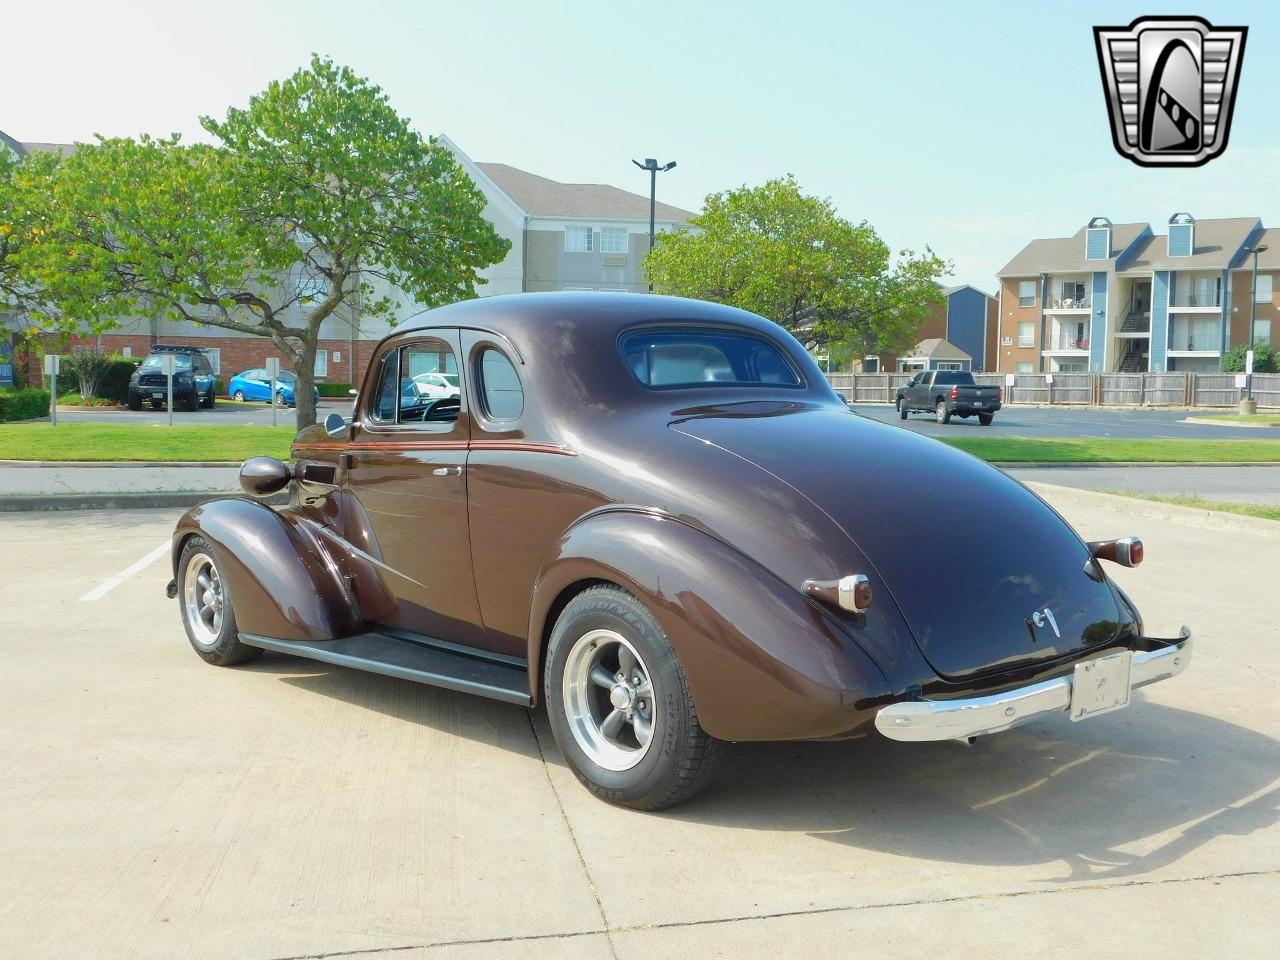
{"x": 106, "y": 586}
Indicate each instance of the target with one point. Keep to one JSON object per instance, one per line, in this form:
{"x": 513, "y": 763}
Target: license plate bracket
{"x": 1101, "y": 685}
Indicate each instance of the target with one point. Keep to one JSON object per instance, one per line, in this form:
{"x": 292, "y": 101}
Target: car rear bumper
{"x": 921, "y": 720}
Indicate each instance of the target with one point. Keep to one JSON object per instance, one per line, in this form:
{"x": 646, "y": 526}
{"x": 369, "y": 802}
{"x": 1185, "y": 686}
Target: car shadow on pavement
{"x": 1116, "y": 797}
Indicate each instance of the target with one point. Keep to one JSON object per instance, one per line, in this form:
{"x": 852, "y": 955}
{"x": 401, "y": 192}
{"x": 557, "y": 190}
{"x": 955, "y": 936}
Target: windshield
{"x": 181, "y": 361}
{"x": 689, "y": 358}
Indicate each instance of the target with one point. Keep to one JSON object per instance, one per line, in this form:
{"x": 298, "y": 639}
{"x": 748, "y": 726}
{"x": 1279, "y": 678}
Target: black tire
{"x": 941, "y": 413}
{"x": 681, "y": 758}
{"x": 986, "y": 418}
{"x": 902, "y": 408}
{"x": 134, "y": 402}
{"x": 221, "y": 647}
{"x": 210, "y": 400}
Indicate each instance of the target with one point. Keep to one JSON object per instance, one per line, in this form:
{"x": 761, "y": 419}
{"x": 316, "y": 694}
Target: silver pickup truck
{"x": 948, "y": 393}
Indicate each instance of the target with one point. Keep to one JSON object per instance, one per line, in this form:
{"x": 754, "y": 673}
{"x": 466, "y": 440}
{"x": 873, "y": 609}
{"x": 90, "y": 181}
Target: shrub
{"x": 88, "y": 367}
{"x": 26, "y": 404}
{"x": 1264, "y": 358}
{"x": 333, "y": 389}
{"x": 114, "y": 385}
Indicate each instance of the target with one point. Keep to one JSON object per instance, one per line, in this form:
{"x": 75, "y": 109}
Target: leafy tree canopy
{"x": 791, "y": 257}
{"x": 319, "y": 197}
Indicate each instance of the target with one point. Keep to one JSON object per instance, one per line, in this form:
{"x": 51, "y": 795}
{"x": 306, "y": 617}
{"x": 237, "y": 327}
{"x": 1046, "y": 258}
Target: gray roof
{"x": 66, "y": 149}
{"x": 948, "y": 291}
{"x": 541, "y": 197}
{"x": 12, "y": 144}
{"x": 1217, "y": 244}
{"x": 1269, "y": 259}
{"x": 1066, "y": 254}
{"x": 935, "y": 348}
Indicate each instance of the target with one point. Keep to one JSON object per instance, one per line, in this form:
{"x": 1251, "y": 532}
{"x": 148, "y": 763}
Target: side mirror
{"x": 263, "y": 476}
{"x": 335, "y": 424}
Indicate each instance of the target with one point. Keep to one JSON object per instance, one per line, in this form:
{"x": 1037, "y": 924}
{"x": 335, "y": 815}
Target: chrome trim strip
{"x": 923, "y": 720}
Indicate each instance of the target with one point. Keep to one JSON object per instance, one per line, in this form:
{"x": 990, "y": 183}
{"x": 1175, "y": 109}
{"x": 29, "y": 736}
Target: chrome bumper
{"x": 919, "y": 720}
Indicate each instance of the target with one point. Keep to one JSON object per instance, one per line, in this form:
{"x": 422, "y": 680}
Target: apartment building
{"x": 960, "y": 330}
{"x": 1120, "y": 297}
{"x": 564, "y": 236}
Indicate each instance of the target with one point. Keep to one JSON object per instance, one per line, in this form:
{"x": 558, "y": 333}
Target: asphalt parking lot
{"x": 1072, "y": 422}
{"x": 157, "y": 807}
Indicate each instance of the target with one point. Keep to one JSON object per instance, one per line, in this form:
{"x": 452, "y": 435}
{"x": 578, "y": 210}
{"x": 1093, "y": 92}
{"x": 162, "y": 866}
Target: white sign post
{"x": 166, "y": 367}
{"x": 273, "y": 371}
{"x": 51, "y": 363}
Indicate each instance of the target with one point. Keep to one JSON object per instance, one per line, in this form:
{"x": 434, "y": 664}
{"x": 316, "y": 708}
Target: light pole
{"x": 654, "y": 169}
{"x": 1253, "y": 314}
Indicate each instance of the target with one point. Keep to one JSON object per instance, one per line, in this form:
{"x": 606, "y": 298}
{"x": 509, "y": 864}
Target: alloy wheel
{"x": 608, "y": 700}
{"x": 204, "y": 599}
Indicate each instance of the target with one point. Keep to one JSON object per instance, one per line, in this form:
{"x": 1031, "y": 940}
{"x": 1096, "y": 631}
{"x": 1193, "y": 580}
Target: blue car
{"x": 256, "y": 385}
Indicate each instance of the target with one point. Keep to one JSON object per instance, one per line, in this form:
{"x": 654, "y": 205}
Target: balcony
{"x": 1067, "y": 342}
{"x": 1069, "y": 305}
{"x": 1197, "y": 293}
{"x": 1196, "y": 339}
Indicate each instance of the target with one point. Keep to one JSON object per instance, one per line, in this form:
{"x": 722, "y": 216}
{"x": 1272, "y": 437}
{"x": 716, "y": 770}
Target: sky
{"x": 972, "y": 128}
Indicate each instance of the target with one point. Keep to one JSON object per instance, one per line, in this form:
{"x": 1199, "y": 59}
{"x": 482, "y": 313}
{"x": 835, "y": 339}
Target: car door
{"x": 255, "y": 388}
{"x": 913, "y": 390}
{"x": 406, "y": 492}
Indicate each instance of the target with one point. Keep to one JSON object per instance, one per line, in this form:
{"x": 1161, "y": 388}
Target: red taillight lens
{"x": 955, "y": 393}
{"x": 1127, "y": 551}
{"x": 1136, "y": 551}
{"x": 999, "y": 394}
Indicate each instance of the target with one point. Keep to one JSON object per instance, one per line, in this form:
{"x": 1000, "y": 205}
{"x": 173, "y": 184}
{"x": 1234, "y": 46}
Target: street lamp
{"x": 654, "y": 169}
{"x": 1253, "y": 312}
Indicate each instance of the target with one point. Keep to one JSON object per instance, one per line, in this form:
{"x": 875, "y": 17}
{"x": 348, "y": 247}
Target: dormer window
{"x": 1097, "y": 239}
{"x": 1182, "y": 235}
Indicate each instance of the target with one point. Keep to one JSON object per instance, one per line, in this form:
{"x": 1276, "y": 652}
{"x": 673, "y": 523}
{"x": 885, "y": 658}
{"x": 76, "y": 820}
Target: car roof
{"x": 174, "y": 348}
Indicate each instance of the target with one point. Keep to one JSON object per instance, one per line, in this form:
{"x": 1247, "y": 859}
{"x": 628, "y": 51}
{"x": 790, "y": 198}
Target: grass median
{"x": 1240, "y": 419}
{"x": 103, "y": 442}
{"x": 1116, "y": 450}
{"x": 1265, "y": 511}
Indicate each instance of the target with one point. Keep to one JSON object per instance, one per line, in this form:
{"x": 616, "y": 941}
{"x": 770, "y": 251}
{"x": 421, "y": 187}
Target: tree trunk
{"x": 302, "y": 395}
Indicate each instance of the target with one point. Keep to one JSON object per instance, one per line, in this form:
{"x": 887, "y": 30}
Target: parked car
{"x": 947, "y": 394}
{"x": 255, "y": 384}
{"x": 436, "y": 385}
{"x": 194, "y": 383}
{"x": 662, "y": 523}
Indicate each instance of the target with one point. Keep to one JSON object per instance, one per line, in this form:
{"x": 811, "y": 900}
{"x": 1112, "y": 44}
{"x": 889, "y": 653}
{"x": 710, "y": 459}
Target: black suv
{"x": 193, "y": 379}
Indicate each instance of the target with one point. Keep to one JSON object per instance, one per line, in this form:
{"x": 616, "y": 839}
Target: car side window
{"x": 384, "y": 394}
{"x": 500, "y": 390}
{"x": 421, "y": 401}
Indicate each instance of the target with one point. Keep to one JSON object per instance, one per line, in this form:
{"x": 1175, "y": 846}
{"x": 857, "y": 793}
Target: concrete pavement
{"x": 158, "y": 807}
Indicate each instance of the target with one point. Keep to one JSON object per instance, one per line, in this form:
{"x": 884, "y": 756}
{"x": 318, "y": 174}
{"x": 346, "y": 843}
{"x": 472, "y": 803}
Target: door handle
{"x": 447, "y": 472}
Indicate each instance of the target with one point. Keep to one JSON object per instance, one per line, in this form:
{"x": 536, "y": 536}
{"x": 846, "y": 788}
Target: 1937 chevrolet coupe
{"x": 655, "y": 516}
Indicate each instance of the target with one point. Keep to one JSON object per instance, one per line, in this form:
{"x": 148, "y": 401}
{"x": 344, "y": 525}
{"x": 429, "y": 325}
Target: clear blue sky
{"x": 969, "y": 127}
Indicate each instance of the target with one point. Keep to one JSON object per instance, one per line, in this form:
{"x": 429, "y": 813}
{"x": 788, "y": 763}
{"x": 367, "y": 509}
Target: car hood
{"x": 967, "y": 553}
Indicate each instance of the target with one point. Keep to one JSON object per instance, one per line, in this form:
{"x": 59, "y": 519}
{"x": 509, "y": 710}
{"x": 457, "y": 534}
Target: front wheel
{"x": 902, "y": 408}
{"x": 238, "y": 397}
{"x": 941, "y": 413}
{"x": 207, "y": 613}
{"x": 134, "y": 402}
{"x": 985, "y": 419}
{"x": 620, "y": 706}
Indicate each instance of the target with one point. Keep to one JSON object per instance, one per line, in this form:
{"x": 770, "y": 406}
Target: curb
{"x": 157, "y": 464}
{"x": 121, "y": 501}
{"x": 1154, "y": 510}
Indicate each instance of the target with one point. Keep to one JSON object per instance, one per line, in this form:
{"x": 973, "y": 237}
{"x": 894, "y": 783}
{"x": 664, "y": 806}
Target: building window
{"x": 576, "y": 289}
{"x": 1263, "y": 291}
{"x": 1027, "y": 333}
{"x": 322, "y": 363}
{"x": 577, "y": 239}
{"x": 613, "y": 240}
{"x": 1262, "y": 331}
{"x": 1026, "y": 293}
{"x": 215, "y": 358}
{"x": 1024, "y": 366}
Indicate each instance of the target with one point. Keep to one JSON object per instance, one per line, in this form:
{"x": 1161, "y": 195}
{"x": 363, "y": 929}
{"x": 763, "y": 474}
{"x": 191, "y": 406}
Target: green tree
{"x": 791, "y": 257}
{"x": 1264, "y": 358}
{"x": 318, "y": 198}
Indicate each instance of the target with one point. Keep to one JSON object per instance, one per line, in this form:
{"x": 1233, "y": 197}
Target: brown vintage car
{"x": 654, "y": 516}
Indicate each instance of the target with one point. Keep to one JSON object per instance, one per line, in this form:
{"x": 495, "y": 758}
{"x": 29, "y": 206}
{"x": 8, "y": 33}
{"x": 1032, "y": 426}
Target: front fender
{"x": 763, "y": 662}
{"x": 281, "y": 576}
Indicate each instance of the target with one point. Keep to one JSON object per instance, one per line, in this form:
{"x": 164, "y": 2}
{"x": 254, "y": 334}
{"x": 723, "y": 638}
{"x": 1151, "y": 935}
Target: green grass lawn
{"x": 118, "y": 441}
{"x": 1265, "y": 511}
{"x": 1236, "y": 420}
{"x": 1108, "y": 450}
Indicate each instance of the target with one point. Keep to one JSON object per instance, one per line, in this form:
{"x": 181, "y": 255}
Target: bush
{"x": 88, "y": 367}
{"x": 333, "y": 389}
{"x": 1264, "y": 358}
{"x": 76, "y": 399}
{"x": 27, "y": 404}
{"x": 115, "y": 382}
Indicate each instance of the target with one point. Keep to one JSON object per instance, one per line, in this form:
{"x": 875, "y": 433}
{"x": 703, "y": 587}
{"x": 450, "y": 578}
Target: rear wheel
{"x": 620, "y": 706}
{"x": 207, "y": 614}
{"x": 941, "y": 413}
{"x": 902, "y": 408}
{"x": 985, "y": 419}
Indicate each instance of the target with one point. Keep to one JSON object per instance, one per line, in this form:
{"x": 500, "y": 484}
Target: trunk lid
{"x": 968, "y": 554}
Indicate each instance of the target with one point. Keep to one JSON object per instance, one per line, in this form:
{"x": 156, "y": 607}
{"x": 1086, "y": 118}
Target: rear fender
{"x": 763, "y": 662}
{"x": 283, "y": 577}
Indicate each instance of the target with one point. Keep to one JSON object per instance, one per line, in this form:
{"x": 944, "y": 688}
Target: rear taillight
{"x": 1127, "y": 551}
{"x": 999, "y": 394}
{"x": 955, "y": 393}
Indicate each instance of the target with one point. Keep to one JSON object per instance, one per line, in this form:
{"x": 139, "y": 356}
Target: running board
{"x": 392, "y": 657}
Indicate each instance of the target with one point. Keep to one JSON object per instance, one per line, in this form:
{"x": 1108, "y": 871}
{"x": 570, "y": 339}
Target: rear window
{"x": 950, "y": 377}
{"x": 698, "y": 358}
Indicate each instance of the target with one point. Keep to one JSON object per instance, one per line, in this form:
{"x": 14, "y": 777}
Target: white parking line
{"x": 106, "y": 586}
